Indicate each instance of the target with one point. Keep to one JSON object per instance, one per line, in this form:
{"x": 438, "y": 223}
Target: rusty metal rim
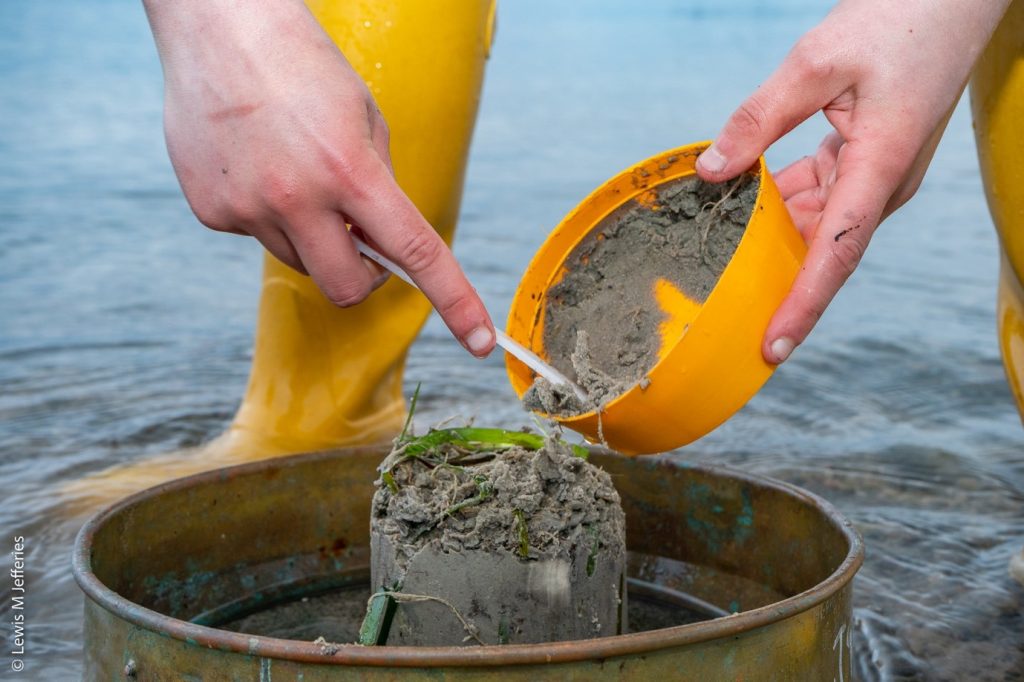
{"x": 425, "y": 657}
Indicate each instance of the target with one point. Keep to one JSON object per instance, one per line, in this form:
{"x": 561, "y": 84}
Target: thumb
{"x": 798, "y": 89}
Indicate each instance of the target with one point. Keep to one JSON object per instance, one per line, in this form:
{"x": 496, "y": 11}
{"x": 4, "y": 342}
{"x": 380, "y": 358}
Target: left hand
{"x": 887, "y": 76}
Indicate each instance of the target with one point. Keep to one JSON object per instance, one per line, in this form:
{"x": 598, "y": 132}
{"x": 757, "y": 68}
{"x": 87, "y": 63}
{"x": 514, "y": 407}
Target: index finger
{"x": 389, "y": 217}
{"x": 851, "y": 215}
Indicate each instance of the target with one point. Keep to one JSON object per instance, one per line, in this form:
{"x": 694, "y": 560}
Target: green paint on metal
{"x": 715, "y": 519}
{"x": 710, "y": 531}
{"x": 746, "y": 516}
{"x": 176, "y": 591}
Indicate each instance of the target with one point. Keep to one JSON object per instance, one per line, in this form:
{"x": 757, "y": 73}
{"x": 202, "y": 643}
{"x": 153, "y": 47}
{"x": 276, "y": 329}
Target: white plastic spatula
{"x": 524, "y": 355}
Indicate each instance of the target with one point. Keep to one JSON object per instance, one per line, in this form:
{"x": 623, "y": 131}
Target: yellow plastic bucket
{"x": 714, "y": 365}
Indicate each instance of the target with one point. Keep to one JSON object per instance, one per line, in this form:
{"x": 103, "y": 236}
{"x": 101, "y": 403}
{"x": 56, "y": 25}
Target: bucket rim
{"x": 476, "y": 656}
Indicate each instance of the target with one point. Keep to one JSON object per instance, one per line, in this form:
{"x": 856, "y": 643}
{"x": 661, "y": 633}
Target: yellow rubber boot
{"x": 997, "y": 100}
{"x": 322, "y": 376}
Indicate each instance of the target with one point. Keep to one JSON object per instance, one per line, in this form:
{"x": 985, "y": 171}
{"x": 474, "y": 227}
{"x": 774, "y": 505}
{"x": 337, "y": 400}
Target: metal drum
{"x": 768, "y": 566}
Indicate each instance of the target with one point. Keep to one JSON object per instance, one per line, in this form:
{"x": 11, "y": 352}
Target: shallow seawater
{"x": 126, "y": 329}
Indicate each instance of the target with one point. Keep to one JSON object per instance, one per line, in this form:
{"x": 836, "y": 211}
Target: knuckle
{"x": 808, "y": 309}
{"x": 809, "y": 59}
{"x": 814, "y": 312}
{"x": 348, "y": 173}
{"x": 751, "y": 118}
{"x": 904, "y": 193}
{"x": 347, "y": 294}
{"x": 846, "y": 252}
{"x": 230, "y": 215}
{"x": 421, "y": 251}
{"x": 209, "y": 219}
{"x": 454, "y": 304}
{"x": 381, "y": 128}
{"x": 242, "y": 212}
{"x": 211, "y": 215}
{"x": 280, "y": 193}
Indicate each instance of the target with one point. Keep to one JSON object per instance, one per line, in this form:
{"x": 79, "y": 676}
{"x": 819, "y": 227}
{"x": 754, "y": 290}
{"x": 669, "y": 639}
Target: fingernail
{"x": 781, "y": 348}
{"x": 479, "y": 340}
{"x": 712, "y": 160}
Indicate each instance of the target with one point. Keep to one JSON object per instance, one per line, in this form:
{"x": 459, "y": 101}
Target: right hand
{"x": 273, "y": 134}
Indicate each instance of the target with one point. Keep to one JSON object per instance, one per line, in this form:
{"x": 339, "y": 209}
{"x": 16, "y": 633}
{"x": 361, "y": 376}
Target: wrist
{"x": 194, "y": 32}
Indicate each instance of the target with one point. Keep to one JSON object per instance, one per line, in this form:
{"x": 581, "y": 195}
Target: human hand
{"x": 272, "y": 134}
{"x": 887, "y": 76}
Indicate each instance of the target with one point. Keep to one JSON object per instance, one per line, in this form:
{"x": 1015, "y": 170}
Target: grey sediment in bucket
{"x": 165, "y": 571}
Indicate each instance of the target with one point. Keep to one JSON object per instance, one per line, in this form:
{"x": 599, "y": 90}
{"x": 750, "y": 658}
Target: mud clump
{"x": 502, "y": 547}
{"x": 602, "y": 321}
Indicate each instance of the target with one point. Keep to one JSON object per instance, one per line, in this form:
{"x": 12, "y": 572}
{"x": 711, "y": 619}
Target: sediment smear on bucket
{"x": 602, "y": 321}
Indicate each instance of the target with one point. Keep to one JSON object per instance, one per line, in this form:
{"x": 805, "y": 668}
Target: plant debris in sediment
{"x": 493, "y": 490}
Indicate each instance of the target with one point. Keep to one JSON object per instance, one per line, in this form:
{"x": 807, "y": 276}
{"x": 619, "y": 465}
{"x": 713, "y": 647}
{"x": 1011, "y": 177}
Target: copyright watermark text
{"x": 18, "y": 605}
